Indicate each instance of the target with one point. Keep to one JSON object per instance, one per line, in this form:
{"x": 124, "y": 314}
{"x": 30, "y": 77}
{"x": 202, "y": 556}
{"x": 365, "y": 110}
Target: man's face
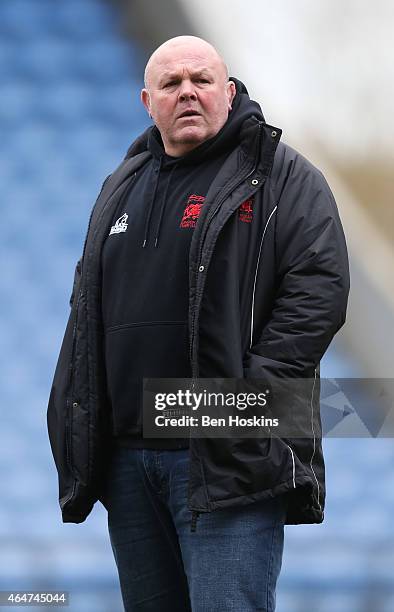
{"x": 187, "y": 95}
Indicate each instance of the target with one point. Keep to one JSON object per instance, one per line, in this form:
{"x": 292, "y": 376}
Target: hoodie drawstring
{"x": 163, "y": 205}
{"x": 152, "y": 203}
{"x": 149, "y": 215}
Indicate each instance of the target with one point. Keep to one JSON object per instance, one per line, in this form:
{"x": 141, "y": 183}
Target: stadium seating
{"x": 69, "y": 110}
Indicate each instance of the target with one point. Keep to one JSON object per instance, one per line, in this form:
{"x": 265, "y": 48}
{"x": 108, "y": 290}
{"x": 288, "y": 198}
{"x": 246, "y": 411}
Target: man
{"x": 213, "y": 250}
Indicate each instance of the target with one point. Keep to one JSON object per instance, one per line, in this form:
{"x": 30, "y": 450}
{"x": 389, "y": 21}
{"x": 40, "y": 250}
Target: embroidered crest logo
{"x": 120, "y": 225}
{"x": 192, "y": 211}
{"x": 245, "y": 213}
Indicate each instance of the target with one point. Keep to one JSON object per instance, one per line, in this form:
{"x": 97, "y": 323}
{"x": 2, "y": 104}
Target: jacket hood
{"x": 238, "y": 129}
{"x": 231, "y": 134}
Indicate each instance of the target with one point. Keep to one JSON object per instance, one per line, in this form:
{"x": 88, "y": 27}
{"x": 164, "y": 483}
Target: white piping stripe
{"x": 314, "y": 444}
{"x": 292, "y": 458}
{"x": 255, "y": 275}
{"x": 314, "y": 382}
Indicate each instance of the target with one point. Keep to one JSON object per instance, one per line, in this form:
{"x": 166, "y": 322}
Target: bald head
{"x": 187, "y": 93}
{"x": 189, "y": 44}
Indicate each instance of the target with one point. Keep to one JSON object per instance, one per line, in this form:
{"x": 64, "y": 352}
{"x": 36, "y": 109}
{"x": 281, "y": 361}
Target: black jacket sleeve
{"x": 312, "y": 277}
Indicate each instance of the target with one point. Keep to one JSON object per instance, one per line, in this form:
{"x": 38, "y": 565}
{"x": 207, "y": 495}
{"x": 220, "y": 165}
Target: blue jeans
{"x": 230, "y": 563}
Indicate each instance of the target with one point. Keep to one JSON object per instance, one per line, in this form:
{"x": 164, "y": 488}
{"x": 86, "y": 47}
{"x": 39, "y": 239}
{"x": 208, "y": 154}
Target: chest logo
{"x": 120, "y": 225}
{"x": 192, "y": 211}
{"x": 245, "y": 211}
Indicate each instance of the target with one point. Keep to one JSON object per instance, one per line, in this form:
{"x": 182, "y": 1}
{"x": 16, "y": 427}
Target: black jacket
{"x": 293, "y": 302}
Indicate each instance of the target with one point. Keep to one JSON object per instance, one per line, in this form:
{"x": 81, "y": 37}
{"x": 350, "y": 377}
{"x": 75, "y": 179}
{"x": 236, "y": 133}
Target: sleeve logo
{"x": 120, "y": 225}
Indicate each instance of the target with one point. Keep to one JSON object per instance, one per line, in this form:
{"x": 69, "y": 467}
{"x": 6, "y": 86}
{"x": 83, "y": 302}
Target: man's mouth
{"x": 189, "y": 113}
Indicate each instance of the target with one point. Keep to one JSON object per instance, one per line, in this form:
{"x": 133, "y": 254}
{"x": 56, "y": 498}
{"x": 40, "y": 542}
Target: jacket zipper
{"x": 233, "y": 186}
{"x": 195, "y": 514}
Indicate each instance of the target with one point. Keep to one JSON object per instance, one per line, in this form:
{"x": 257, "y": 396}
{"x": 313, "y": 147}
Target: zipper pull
{"x": 193, "y": 523}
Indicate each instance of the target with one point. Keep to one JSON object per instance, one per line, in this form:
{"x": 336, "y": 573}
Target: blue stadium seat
{"x": 69, "y": 110}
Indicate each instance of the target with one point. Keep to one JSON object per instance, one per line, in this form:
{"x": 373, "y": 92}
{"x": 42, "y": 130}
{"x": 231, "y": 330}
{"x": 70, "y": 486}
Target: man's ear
{"x": 145, "y": 99}
{"x": 231, "y": 91}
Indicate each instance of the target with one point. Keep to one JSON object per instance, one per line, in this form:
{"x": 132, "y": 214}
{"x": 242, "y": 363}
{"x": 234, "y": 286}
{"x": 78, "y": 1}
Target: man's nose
{"x": 187, "y": 91}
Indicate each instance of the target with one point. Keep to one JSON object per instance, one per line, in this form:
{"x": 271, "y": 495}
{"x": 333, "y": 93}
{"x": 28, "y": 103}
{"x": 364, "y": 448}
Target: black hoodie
{"x": 145, "y": 269}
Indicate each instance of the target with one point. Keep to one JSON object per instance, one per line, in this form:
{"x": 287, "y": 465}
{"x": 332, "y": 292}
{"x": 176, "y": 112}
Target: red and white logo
{"x": 245, "y": 211}
{"x": 192, "y": 211}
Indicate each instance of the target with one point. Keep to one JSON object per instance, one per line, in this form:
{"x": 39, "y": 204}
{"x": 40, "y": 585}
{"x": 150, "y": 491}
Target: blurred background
{"x": 70, "y": 76}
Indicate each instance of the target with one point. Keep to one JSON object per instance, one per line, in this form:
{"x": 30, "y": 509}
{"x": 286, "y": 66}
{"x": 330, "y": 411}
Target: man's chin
{"x": 187, "y": 139}
{"x": 190, "y": 135}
